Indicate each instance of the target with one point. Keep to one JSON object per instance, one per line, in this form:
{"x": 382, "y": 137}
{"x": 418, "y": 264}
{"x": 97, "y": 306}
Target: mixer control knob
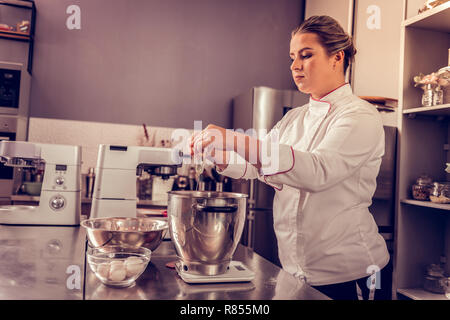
{"x": 57, "y": 202}
{"x": 59, "y": 180}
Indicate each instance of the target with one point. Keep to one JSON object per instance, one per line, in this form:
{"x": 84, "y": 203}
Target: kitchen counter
{"x": 161, "y": 282}
{"x": 36, "y": 262}
{"x": 48, "y": 262}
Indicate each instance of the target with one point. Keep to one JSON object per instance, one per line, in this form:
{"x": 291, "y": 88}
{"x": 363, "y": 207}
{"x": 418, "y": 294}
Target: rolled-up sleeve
{"x": 348, "y": 144}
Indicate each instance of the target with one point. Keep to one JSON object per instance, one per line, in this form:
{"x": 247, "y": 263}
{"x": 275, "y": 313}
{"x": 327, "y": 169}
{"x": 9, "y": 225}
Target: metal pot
{"x": 206, "y": 228}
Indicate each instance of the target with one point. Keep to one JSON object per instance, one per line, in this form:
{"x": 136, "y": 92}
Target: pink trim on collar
{"x": 320, "y": 100}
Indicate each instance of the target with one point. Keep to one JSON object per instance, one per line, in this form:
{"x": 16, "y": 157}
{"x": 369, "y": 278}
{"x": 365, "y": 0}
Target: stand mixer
{"x": 116, "y": 171}
{"x": 60, "y": 199}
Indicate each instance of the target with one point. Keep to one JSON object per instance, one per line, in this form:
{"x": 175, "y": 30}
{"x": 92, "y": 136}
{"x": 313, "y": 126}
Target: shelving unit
{"x": 19, "y": 36}
{"x": 427, "y": 204}
{"x": 440, "y": 110}
{"x": 419, "y": 294}
{"x": 422, "y": 232}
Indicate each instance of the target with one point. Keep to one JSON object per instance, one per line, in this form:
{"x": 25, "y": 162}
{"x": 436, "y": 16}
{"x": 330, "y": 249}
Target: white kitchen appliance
{"x": 60, "y": 198}
{"x": 15, "y": 84}
{"x": 116, "y": 171}
{"x": 236, "y": 272}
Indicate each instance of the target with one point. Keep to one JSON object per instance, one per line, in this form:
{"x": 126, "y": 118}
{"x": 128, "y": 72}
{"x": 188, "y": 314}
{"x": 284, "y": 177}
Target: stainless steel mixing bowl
{"x": 206, "y": 228}
{"x": 130, "y": 232}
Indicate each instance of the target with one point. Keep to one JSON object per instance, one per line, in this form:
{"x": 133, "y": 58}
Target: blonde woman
{"x": 323, "y": 163}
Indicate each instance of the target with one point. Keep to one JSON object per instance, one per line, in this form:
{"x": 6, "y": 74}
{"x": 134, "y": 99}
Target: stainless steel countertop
{"x": 41, "y": 262}
{"x": 34, "y": 261}
{"x": 160, "y": 282}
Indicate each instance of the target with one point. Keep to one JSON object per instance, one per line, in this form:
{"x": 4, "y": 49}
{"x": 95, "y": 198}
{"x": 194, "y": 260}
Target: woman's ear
{"x": 338, "y": 58}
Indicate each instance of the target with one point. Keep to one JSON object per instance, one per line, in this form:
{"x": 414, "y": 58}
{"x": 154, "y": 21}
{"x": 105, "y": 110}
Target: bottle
{"x": 90, "y": 179}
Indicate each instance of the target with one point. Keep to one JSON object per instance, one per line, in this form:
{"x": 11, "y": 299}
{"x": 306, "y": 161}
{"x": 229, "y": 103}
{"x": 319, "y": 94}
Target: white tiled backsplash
{"x": 89, "y": 135}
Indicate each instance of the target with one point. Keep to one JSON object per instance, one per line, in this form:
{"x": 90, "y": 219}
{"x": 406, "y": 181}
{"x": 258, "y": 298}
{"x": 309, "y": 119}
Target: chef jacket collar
{"x": 326, "y": 103}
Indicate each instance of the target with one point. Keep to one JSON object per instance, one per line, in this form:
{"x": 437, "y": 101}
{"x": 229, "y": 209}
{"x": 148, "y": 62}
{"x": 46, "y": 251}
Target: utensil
{"x": 206, "y": 228}
{"x": 129, "y": 232}
{"x": 218, "y": 179}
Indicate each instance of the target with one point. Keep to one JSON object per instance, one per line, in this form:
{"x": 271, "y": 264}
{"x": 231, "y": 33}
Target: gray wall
{"x": 160, "y": 62}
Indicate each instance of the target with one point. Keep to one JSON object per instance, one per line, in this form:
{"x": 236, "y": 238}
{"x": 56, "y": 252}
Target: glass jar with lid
{"x": 422, "y": 188}
{"x": 440, "y": 192}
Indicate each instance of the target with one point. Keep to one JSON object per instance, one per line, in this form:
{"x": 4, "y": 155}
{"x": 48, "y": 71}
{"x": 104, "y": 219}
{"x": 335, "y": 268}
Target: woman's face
{"x": 313, "y": 70}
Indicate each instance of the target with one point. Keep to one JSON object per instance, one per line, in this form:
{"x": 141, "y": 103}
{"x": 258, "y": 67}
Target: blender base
{"x": 237, "y": 272}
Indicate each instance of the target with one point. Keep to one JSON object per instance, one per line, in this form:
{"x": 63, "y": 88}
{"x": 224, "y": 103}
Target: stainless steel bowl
{"x": 130, "y": 232}
{"x": 206, "y": 228}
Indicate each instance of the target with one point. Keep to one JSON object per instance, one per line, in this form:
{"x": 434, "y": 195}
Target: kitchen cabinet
{"x": 376, "y": 36}
{"x": 19, "y": 36}
{"x": 374, "y": 27}
{"x": 422, "y": 232}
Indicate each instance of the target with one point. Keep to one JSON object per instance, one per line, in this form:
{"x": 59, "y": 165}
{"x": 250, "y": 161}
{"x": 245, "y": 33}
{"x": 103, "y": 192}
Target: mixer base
{"x": 237, "y": 272}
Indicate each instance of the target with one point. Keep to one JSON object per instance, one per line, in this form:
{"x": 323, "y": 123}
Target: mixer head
{"x": 163, "y": 171}
{"x": 20, "y": 162}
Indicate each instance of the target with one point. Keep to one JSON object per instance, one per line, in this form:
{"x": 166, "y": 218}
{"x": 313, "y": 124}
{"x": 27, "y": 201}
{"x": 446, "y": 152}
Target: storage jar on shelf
{"x": 440, "y": 193}
{"x": 422, "y": 188}
{"x": 438, "y": 96}
{"x": 427, "y": 95}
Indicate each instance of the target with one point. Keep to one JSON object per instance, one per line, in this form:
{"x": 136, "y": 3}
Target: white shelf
{"x": 428, "y": 204}
{"x": 420, "y": 294}
{"x": 17, "y": 3}
{"x": 439, "y": 110}
{"x": 437, "y": 19}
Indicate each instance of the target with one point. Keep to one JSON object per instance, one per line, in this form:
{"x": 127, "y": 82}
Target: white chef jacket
{"x": 329, "y": 157}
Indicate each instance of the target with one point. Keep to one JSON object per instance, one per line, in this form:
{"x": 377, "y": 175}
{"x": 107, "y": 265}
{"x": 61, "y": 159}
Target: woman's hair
{"x": 331, "y": 36}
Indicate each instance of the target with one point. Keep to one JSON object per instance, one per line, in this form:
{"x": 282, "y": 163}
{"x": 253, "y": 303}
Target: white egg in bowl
{"x": 118, "y": 266}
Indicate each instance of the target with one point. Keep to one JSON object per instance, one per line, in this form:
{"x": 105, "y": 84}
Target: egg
{"x": 134, "y": 266}
{"x": 116, "y": 263}
{"x": 103, "y": 270}
{"x": 117, "y": 272}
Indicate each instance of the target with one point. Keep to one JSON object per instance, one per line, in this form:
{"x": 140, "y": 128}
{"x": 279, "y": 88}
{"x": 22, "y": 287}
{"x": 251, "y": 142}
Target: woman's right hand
{"x": 210, "y": 144}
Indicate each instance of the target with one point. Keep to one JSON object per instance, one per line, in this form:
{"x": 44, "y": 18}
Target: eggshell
{"x": 103, "y": 270}
{"x": 117, "y": 263}
{"x": 117, "y": 272}
{"x": 134, "y": 266}
{"x": 134, "y": 269}
{"x": 133, "y": 260}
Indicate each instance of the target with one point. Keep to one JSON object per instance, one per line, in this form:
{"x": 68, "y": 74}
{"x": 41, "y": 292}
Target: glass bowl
{"x": 118, "y": 266}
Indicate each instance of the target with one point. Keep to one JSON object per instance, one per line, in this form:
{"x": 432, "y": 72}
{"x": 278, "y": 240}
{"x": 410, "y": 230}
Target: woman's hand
{"x": 213, "y": 143}
{"x": 212, "y": 137}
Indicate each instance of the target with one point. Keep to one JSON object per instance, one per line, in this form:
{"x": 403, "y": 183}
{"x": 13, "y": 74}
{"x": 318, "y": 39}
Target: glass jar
{"x": 438, "y": 96}
{"x": 433, "y": 279}
{"x": 446, "y": 283}
{"x": 421, "y": 189}
{"x": 427, "y": 96}
{"x": 440, "y": 192}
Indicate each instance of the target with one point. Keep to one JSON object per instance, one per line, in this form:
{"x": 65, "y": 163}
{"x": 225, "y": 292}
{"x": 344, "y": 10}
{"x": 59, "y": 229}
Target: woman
{"x": 323, "y": 163}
